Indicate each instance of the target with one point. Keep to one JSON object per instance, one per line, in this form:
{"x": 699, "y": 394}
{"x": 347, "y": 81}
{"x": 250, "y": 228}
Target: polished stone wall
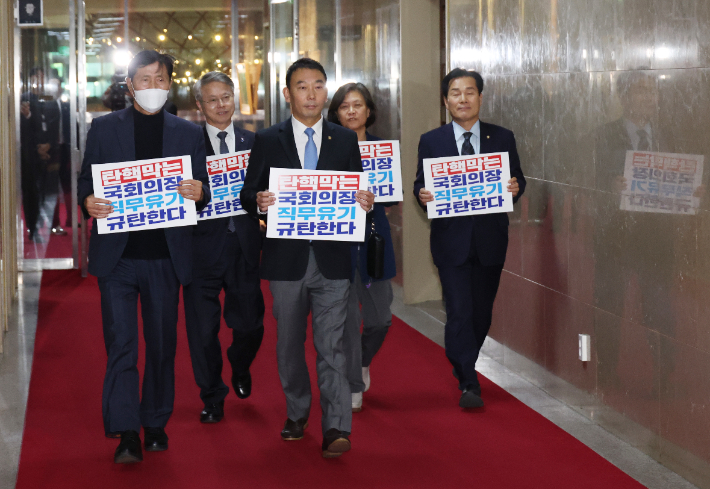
{"x": 576, "y": 81}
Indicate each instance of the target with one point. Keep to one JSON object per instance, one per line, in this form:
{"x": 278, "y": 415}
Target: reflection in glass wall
{"x": 608, "y": 102}
{"x": 45, "y": 163}
{"x": 281, "y": 55}
{"x": 200, "y": 39}
{"x": 370, "y": 54}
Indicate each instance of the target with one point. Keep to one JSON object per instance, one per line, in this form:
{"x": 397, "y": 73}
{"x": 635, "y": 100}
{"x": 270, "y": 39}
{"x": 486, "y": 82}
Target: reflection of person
{"x": 34, "y": 149}
{"x": 57, "y": 116}
{"x": 307, "y": 276}
{"x": 469, "y": 251}
{"x": 149, "y": 264}
{"x": 625, "y": 243}
{"x": 352, "y": 106}
{"x": 225, "y": 256}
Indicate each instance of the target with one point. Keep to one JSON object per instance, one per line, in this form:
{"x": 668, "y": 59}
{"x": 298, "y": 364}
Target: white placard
{"x": 144, "y": 194}
{"x": 226, "y": 173}
{"x": 382, "y": 164}
{"x": 316, "y": 205}
{"x": 468, "y": 185}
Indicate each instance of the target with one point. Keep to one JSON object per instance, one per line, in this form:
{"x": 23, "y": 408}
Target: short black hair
{"x": 460, "y": 73}
{"x": 307, "y": 63}
{"x": 340, "y": 96}
{"x": 148, "y": 57}
{"x": 35, "y": 70}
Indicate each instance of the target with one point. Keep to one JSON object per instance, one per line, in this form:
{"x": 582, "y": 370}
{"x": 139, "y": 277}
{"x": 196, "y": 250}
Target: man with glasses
{"x": 225, "y": 257}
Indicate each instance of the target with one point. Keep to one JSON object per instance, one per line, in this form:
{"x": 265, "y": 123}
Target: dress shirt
{"x": 632, "y": 130}
{"x": 299, "y": 134}
{"x": 475, "y": 138}
{"x": 230, "y": 139}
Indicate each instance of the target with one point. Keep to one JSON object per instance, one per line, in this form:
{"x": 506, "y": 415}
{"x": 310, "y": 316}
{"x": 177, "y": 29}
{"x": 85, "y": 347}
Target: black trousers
{"x": 243, "y": 313}
{"x": 469, "y": 291}
{"x": 157, "y": 286}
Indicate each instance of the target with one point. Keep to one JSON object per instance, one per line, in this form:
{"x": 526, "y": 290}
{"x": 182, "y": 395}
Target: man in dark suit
{"x": 226, "y": 256}
{"x": 151, "y": 263}
{"x": 469, "y": 251}
{"x": 307, "y": 275}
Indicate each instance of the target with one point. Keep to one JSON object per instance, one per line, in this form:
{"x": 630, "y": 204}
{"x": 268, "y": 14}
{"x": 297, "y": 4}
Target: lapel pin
{"x": 329, "y": 137}
{"x": 487, "y": 137}
{"x": 242, "y": 139}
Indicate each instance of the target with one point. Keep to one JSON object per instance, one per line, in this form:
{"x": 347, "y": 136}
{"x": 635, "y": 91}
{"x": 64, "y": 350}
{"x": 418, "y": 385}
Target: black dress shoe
{"x": 293, "y": 430}
{"x": 242, "y": 385}
{"x": 212, "y": 413}
{"x": 335, "y": 443}
{"x": 470, "y": 399}
{"x": 129, "y": 450}
{"x": 156, "y": 440}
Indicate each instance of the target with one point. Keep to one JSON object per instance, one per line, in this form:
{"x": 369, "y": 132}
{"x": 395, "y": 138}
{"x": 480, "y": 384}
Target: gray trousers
{"x": 376, "y": 318}
{"x": 327, "y": 300}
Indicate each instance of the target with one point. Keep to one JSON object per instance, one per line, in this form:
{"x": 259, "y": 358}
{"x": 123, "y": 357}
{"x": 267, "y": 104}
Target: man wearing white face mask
{"x": 150, "y": 264}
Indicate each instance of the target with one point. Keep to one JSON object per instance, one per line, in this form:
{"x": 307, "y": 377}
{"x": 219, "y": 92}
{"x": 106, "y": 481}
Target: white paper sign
{"x": 468, "y": 185}
{"x": 144, "y": 194}
{"x": 316, "y": 205}
{"x": 382, "y": 163}
{"x": 226, "y": 174}
{"x": 661, "y": 182}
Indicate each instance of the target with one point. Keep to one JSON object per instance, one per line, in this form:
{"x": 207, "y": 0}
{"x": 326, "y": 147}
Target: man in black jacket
{"x": 225, "y": 256}
{"x": 307, "y": 275}
{"x": 150, "y": 264}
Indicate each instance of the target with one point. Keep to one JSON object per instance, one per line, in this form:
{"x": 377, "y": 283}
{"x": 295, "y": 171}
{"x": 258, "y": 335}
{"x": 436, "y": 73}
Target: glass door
{"x": 47, "y": 93}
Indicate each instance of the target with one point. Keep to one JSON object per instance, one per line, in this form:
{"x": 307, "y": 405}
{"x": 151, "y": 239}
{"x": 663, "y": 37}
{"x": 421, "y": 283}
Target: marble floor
{"x": 569, "y": 408}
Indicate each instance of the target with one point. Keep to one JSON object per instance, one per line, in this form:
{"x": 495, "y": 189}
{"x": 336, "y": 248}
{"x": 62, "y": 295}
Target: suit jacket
{"x": 451, "y": 237}
{"x": 111, "y": 140}
{"x": 287, "y": 259}
{"x": 382, "y": 227}
{"x": 211, "y": 234}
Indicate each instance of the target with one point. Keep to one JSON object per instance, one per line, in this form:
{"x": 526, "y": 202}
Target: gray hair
{"x": 211, "y": 77}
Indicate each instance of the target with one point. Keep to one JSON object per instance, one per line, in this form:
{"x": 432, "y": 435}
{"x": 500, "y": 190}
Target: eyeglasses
{"x": 224, "y": 100}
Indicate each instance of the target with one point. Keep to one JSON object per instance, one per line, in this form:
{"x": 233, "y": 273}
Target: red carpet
{"x": 410, "y": 433}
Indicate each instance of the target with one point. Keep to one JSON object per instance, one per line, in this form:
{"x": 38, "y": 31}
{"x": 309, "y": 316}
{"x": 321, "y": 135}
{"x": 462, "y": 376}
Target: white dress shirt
{"x": 230, "y": 139}
{"x": 299, "y": 134}
{"x": 475, "y": 138}
{"x": 632, "y": 130}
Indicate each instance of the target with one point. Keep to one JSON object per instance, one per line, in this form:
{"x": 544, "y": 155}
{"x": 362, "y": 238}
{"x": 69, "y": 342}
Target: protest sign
{"x": 661, "y": 182}
{"x": 381, "y": 162}
{"x": 316, "y": 205}
{"x": 144, "y": 194}
{"x": 468, "y": 185}
{"x": 226, "y": 174}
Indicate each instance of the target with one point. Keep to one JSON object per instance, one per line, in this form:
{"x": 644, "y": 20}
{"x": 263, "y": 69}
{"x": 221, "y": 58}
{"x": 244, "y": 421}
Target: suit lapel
{"x": 326, "y": 147}
{"x": 169, "y": 135}
{"x": 239, "y": 140}
{"x": 485, "y": 144}
{"x": 125, "y": 136}
{"x": 209, "y": 150}
{"x": 450, "y": 147}
{"x": 289, "y": 143}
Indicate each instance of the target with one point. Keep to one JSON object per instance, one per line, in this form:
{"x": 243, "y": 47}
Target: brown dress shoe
{"x": 293, "y": 430}
{"x": 335, "y": 443}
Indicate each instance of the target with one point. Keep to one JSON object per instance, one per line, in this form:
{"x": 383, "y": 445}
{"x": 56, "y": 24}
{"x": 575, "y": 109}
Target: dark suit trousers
{"x": 155, "y": 282}
{"x": 469, "y": 292}
{"x": 243, "y": 313}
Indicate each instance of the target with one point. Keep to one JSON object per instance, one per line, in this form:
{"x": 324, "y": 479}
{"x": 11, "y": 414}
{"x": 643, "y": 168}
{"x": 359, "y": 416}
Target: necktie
{"x": 644, "y": 143}
{"x": 223, "y": 148}
{"x": 467, "y": 147}
{"x": 310, "y": 156}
